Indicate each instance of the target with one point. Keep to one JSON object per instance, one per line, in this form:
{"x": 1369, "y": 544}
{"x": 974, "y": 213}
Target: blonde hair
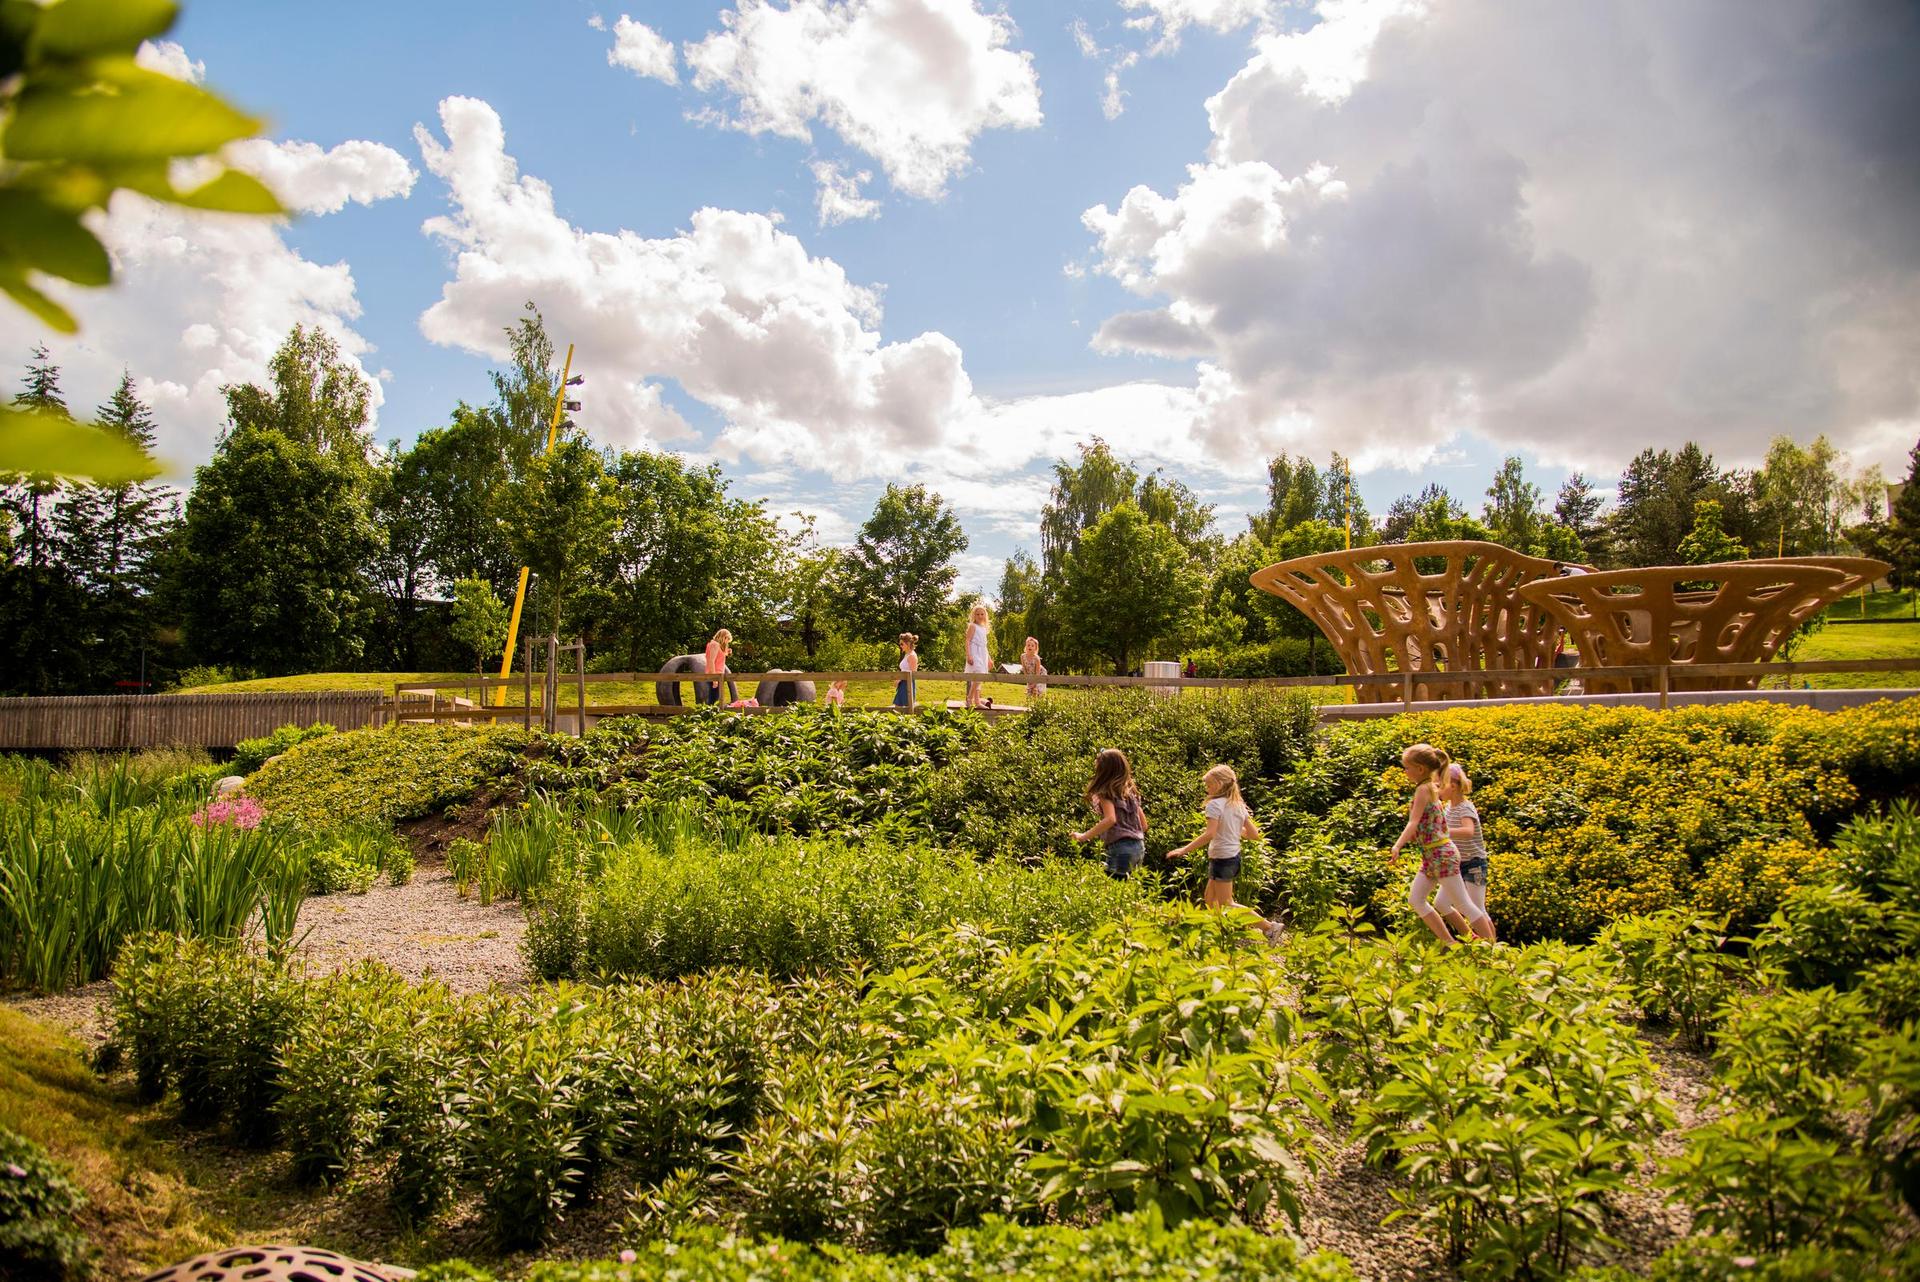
{"x": 1457, "y": 778}
{"x": 978, "y": 614}
{"x": 1220, "y": 774}
{"x": 1033, "y": 644}
{"x": 1434, "y": 759}
{"x": 723, "y": 636}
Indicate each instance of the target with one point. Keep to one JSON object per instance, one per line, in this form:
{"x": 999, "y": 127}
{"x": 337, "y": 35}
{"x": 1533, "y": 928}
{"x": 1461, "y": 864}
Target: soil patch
{"x": 422, "y": 929}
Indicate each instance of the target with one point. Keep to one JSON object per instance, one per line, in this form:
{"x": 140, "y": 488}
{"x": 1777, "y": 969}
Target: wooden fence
{"x": 219, "y": 721}
{"x": 132, "y": 721}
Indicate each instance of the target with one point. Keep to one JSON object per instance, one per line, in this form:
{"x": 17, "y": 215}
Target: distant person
{"x": 1463, "y": 825}
{"x": 909, "y": 663}
{"x": 837, "y": 695}
{"x": 1426, "y": 767}
{"x": 1191, "y": 671}
{"x": 1122, "y": 826}
{"x": 1229, "y": 822}
{"x": 718, "y": 651}
{"x": 1030, "y": 665}
{"x": 977, "y": 652}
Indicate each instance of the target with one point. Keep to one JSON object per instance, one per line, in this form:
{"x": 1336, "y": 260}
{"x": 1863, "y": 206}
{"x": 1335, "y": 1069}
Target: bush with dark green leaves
{"x": 250, "y": 754}
{"x": 381, "y": 776}
{"x": 1133, "y": 1246}
{"x": 39, "y": 1210}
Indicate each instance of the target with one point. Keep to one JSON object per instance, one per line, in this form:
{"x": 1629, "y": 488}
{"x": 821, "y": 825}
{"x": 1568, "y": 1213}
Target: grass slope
{"x": 864, "y": 694}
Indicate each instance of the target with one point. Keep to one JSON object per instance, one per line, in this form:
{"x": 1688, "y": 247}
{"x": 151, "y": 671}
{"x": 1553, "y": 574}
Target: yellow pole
{"x": 1782, "y": 550}
{"x": 520, "y": 594}
{"x": 1349, "y": 497}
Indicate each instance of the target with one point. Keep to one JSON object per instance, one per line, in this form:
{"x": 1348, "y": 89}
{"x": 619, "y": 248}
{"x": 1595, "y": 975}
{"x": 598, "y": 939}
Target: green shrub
{"x": 788, "y": 906}
{"x": 1791, "y": 1054}
{"x": 250, "y": 754}
{"x": 1722, "y": 1259}
{"x": 334, "y": 869}
{"x": 471, "y": 865}
{"x": 1020, "y": 792}
{"x": 1679, "y": 968}
{"x": 1280, "y": 657}
{"x": 1136, "y": 1246}
{"x": 382, "y": 776}
{"x": 39, "y": 1209}
{"x": 1757, "y": 1178}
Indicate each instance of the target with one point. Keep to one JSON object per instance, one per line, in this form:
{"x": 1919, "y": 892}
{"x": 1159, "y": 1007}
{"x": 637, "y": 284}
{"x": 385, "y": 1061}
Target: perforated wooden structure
{"x": 1465, "y": 606}
{"x": 1427, "y": 608}
{"x": 1682, "y": 615}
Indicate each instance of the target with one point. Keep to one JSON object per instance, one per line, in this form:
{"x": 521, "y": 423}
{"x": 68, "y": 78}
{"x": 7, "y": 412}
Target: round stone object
{"x": 778, "y": 694}
{"x": 667, "y": 693}
{"x": 277, "y": 1264}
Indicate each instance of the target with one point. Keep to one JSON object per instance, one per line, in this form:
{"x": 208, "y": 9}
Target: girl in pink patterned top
{"x": 1426, "y": 767}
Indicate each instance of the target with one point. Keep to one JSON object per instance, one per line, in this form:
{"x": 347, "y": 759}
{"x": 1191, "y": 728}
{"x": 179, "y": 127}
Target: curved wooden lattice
{"x": 1425, "y": 607}
{"x": 277, "y": 1264}
{"x": 1678, "y": 615}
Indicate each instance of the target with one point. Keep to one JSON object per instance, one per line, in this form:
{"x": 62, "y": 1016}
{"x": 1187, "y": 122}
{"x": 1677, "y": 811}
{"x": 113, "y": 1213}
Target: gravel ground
{"x": 422, "y": 928}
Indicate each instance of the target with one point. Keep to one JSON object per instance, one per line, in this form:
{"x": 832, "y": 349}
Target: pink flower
{"x": 1744, "y": 1261}
{"x": 241, "y": 812}
{"x": 17, "y": 1171}
{"x": 628, "y": 1256}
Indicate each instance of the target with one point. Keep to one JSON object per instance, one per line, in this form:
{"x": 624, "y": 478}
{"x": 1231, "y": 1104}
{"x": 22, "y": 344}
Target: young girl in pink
{"x": 1426, "y": 768}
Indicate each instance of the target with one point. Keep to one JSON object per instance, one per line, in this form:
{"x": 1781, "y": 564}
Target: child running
{"x": 1123, "y": 823}
{"x": 1463, "y": 825}
{"x": 1228, "y": 821}
{"x": 1426, "y": 768}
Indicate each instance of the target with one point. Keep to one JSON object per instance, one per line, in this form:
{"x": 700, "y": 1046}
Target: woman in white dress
{"x": 976, "y": 652}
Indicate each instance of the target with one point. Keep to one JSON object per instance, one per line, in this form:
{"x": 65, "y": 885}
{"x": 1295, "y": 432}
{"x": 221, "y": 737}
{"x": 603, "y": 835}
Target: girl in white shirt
{"x": 1228, "y": 822}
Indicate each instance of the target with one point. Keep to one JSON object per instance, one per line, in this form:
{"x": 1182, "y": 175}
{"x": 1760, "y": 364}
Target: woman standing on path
{"x": 717, "y": 651}
{"x": 909, "y": 663}
{"x": 977, "y": 660}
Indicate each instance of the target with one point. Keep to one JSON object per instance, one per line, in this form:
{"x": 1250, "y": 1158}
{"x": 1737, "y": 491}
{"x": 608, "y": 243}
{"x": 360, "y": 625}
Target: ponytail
{"x": 1434, "y": 759}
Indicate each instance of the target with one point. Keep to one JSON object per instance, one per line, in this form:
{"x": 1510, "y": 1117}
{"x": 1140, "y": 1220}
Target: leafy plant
{"x": 39, "y": 1210}
{"x": 1773, "y": 1188}
{"x": 250, "y": 754}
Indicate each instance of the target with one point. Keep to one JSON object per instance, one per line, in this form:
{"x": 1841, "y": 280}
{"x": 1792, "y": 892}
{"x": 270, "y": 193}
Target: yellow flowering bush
{"x": 1593, "y": 812}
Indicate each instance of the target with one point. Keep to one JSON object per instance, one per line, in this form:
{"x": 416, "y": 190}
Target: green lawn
{"x": 1879, "y": 605}
{"x": 866, "y": 694}
{"x": 1864, "y": 641}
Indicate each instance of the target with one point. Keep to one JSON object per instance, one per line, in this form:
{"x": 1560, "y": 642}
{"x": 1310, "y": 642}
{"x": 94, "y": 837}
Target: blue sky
{"x": 1425, "y": 235}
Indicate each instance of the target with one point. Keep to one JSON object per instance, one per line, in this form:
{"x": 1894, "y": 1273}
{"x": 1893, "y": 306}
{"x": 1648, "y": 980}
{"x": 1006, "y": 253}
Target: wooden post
{"x": 1406, "y": 686}
{"x": 550, "y": 687}
{"x": 580, "y": 680}
{"x": 1664, "y": 685}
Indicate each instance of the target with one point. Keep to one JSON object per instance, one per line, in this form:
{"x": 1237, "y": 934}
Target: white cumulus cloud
{"x": 312, "y": 179}
{"x": 169, "y": 59}
{"x": 909, "y": 82}
{"x": 779, "y": 343}
{"x": 839, "y": 199}
{"x": 1579, "y": 230}
{"x": 642, "y": 50}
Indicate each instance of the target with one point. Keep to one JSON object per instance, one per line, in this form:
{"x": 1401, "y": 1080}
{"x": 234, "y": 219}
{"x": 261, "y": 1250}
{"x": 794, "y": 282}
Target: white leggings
{"x": 1454, "y": 894}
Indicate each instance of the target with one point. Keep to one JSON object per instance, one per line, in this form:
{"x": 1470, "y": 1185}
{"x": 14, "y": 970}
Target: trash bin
{"x": 1161, "y": 669}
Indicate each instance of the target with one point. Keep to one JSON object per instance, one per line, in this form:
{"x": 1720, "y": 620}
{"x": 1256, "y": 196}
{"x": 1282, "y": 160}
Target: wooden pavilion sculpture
{"x": 1426, "y": 607}
{"x": 1678, "y": 615}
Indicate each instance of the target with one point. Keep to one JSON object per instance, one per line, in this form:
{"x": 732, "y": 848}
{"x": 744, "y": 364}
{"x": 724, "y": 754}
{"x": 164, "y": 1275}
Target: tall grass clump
{"x": 787, "y": 906}
{"x": 107, "y": 848}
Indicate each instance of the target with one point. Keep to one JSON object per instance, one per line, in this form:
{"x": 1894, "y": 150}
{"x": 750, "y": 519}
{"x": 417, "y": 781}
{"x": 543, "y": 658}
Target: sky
{"x": 832, "y": 244}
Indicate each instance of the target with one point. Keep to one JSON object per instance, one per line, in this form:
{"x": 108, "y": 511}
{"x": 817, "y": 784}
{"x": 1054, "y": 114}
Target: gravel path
{"x": 422, "y": 928}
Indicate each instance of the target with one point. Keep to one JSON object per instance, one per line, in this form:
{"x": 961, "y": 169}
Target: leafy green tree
{"x": 269, "y": 572}
{"x": 28, "y": 500}
{"x": 1577, "y": 508}
{"x": 814, "y": 572}
{"x": 1409, "y": 509}
{"x": 1903, "y": 526}
{"x": 42, "y": 609}
{"x": 1020, "y": 589}
{"x": 899, "y": 574}
{"x": 1707, "y": 543}
{"x": 524, "y": 392}
{"x": 1513, "y": 509}
{"x": 318, "y": 398}
{"x": 559, "y": 517}
{"x": 478, "y": 621}
{"x": 399, "y": 501}
{"x": 1128, "y": 583}
{"x": 1295, "y": 493}
{"x": 1654, "y": 504}
{"x": 464, "y": 467}
{"x": 684, "y": 558}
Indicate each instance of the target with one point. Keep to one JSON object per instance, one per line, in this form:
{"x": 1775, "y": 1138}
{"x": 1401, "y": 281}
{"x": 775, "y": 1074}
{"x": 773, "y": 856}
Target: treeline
{"x": 303, "y": 546}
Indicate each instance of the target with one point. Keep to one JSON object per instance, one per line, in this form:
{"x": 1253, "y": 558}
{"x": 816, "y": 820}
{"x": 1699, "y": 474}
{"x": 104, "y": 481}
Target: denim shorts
{"x": 1124, "y": 855}
{"x": 1223, "y": 869}
{"x": 1474, "y": 870}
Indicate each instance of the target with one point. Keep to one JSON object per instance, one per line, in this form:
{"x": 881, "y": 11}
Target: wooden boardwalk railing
{"x": 132, "y": 721}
